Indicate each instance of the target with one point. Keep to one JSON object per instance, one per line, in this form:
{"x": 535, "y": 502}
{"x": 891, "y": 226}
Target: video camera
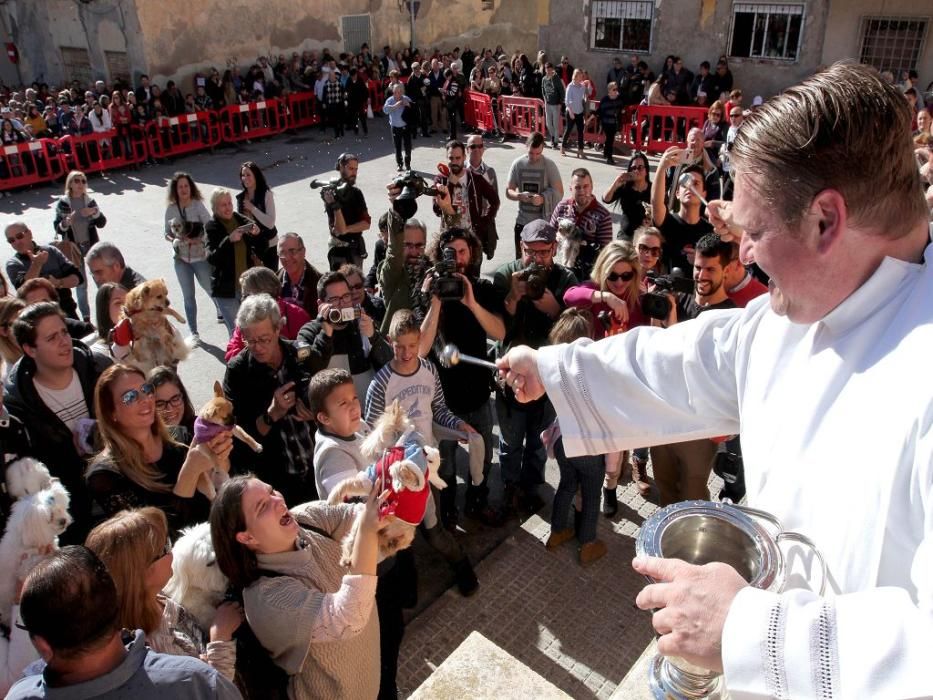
{"x": 655, "y": 304}
{"x": 447, "y": 286}
{"x": 535, "y": 278}
{"x": 345, "y": 315}
{"x": 413, "y": 186}
{"x": 338, "y": 187}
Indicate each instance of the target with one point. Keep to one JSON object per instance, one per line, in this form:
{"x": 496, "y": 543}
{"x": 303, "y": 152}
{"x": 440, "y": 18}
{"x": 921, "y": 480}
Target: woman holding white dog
{"x": 185, "y": 219}
{"x": 141, "y": 465}
{"x": 135, "y": 547}
{"x": 316, "y": 619}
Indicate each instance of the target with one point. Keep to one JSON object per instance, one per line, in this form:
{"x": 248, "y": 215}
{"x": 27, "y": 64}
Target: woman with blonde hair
{"x": 77, "y": 218}
{"x": 613, "y": 292}
{"x": 135, "y": 547}
{"x": 10, "y": 351}
{"x": 140, "y": 464}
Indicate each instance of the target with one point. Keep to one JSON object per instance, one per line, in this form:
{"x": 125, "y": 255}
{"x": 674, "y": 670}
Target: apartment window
{"x": 762, "y": 30}
{"x": 77, "y": 64}
{"x": 893, "y": 43}
{"x": 621, "y": 25}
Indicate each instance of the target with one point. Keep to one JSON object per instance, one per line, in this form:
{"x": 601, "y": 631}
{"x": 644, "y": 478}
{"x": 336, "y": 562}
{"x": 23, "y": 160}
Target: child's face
{"x": 405, "y": 348}
{"x": 342, "y": 414}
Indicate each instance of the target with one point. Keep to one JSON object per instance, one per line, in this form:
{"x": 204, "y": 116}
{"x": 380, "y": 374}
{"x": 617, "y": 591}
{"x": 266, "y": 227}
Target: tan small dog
{"x": 214, "y": 418}
{"x": 155, "y": 341}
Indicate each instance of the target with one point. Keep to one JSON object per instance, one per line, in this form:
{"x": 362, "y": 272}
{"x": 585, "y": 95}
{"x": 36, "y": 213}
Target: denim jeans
{"x": 186, "y": 273}
{"x": 521, "y": 453}
{"x": 552, "y": 120}
{"x": 481, "y": 421}
{"x": 81, "y": 293}
{"x": 587, "y": 473}
{"x": 228, "y": 306}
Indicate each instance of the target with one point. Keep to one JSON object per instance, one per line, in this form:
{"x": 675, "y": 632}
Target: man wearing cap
{"x": 529, "y": 319}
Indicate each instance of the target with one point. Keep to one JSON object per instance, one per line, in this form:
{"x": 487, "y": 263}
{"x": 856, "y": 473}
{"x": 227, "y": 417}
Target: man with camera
{"x": 268, "y": 387}
{"x": 347, "y": 216}
{"x": 466, "y": 199}
{"x": 591, "y": 219}
{"x": 681, "y": 230}
{"x": 401, "y": 273}
{"x": 464, "y": 311}
{"x": 343, "y": 335}
{"x": 533, "y": 290}
{"x": 534, "y": 182}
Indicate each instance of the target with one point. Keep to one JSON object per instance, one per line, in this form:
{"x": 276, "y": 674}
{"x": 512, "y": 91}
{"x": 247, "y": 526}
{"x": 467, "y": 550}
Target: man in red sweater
{"x": 741, "y": 285}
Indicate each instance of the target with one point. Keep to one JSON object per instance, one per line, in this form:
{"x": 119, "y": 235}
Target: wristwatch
{"x": 267, "y": 419}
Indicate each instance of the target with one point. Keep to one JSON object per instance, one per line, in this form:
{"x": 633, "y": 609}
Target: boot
{"x": 448, "y": 507}
{"x": 610, "y": 503}
{"x": 477, "y": 506}
{"x": 640, "y": 475}
{"x": 557, "y": 538}
{"x": 591, "y": 551}
{"x": 465, "y": 577}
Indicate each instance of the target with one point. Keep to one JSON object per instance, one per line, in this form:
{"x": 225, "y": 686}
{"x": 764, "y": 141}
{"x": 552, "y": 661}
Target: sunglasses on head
{"x": 624, "y": 276}
{"x": 133, "y": 395}
{"x": 18, "y": 236}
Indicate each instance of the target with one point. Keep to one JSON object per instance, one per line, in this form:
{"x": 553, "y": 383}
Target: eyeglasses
{"x": 637, "y": 167}
{"x": 18, "y": 236}
{"x": 133, "y": 395}
{"x": 166, "y": 550}
{"x": 624, "y": 276}
{"x": 264, "y": 340}
{"x": 174, "y": 401}
{"x": 474, "y": 146}
{"x": 342, "y": 299}
{"x": 538, "y": 254}
{"x": 654, "y": 251}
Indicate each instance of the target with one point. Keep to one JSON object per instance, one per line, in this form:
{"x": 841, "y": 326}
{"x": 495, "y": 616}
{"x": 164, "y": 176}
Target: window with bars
{"x": 621, "y": 25}
{"x": 761, "y": 30}
{"x": 893, "y": 43}
{"x": 487, "y": 5}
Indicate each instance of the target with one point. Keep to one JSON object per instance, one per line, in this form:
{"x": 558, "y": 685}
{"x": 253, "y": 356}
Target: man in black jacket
{"x": 51, "y": 390}
{"x": 33, "y": 260}
{"x": 355, "y": 346}
{"x": 268, "y": 387}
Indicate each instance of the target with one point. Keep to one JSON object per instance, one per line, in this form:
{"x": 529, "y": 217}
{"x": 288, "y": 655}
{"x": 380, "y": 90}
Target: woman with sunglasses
{"x": 135, "y": 547}
{"x": 77, "y": 218}
{"x": 141, "y": 465}
{"x": 613, "y": 292}
{"x": 649, "y": 243}
{"x": 172, "y": 402}
{"x": 630, "y": 192}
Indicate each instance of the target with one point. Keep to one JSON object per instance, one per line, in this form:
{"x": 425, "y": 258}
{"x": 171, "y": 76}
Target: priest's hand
{"x": 519, "y": 367}
{"x": 691, "y": 604}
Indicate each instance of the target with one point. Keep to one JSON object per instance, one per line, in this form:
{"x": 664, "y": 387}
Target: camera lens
{"x": 334, "y": 315}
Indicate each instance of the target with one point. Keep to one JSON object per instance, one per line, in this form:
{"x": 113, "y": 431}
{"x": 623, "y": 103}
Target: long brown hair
{"x": 121, "y": 450}
{"x": 227, "y": 519}
{"x": 128, "y": 543}
{"x": 9, "y": 310}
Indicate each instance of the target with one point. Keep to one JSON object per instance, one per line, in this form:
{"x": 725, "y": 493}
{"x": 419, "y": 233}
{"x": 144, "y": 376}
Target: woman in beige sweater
{"x": 316, "y": 618}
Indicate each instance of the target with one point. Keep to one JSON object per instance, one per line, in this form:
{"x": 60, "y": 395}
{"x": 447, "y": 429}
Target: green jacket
{"x": 394, "y": 281}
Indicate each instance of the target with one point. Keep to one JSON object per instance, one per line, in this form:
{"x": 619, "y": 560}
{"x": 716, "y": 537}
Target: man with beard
{"x": 588, "y": 215}
{"x": 347, "y": 216}
{"x": 467, "y": 323}
{"x": 405, "y": 265}
{"x": 465, "y": 199}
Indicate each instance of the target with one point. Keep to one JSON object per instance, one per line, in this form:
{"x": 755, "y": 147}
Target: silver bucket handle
{"x": 809, "y": 544}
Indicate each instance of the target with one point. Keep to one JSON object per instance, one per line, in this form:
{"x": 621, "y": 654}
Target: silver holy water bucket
{"x": 701, "y": 532}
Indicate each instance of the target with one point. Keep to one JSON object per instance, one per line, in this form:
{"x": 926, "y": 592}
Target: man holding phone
{"x": 681, "y": 231}
{"x": 534, "y": 182}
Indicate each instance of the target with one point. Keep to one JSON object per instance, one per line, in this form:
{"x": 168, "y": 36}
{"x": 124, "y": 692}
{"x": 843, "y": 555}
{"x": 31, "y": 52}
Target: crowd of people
{"x": 315, "y": 358}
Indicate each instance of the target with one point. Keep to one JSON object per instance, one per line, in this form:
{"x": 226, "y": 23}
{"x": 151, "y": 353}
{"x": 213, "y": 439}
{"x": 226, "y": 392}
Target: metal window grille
{"x": 356, "y": 32}
{"x": 77, "y": 64}
{"x": 622, "y": 25}
{"x": 892, "y": 43}
{"x": 118, "y": 65}
{"x": 764, "y": 30}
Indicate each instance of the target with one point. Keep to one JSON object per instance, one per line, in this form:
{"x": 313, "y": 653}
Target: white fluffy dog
{"x": 32, "y": 533}
{"x": 569, "y": 240}
{"x": 197, "y": 584}
{"x": 25, "y": 477}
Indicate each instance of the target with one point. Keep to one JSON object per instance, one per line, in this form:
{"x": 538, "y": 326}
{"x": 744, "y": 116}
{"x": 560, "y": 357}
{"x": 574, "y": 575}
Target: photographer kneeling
{"x": 681, "y": 470}
{"x": 268, "y": 386}
{"x": 343, "y": 335}
{"x": 533, "y": 288}
{"x": 464, "y": 310}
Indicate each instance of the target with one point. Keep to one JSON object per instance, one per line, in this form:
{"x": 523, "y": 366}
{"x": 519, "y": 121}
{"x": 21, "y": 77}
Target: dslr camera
{"x": 447, "y": 286}
{"x": 413, "y": 186}
{"x": 535, "y": 278}
{"x": 655, "y": 304}
{"x": 337, "y": 187}
{"x": 335, "y": 315}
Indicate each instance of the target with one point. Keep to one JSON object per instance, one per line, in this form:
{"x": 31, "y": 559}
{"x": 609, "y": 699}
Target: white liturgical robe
{"x": 836, "y": 420}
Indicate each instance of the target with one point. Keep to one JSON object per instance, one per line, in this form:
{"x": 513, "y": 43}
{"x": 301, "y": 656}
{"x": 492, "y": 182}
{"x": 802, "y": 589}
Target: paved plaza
{"x": 576, "y": 627}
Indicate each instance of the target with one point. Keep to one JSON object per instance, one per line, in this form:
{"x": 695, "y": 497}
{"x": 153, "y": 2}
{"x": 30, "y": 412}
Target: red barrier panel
{"x": 302, "y": 110}
{"x": 167, "y": 137}
{"x": 659, "y": 128}
{"x": 521, "y": 115}
{"x": 376, "y": 96}
{"x": 477, "y": 110}
{"x": 30, "y": 163}
{"x": 106, "y": 150}
{"x": 254, "y": 120}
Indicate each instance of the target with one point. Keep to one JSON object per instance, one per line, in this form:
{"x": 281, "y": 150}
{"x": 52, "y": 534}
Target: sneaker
{"x": 400, "y": 168}
{"x": 610, "y": 503}
{"x": 591, "y": 551}
{"x": 194, "y": 340}
{"x": 465, "y": 578}
{"x": 558, "y": 538}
